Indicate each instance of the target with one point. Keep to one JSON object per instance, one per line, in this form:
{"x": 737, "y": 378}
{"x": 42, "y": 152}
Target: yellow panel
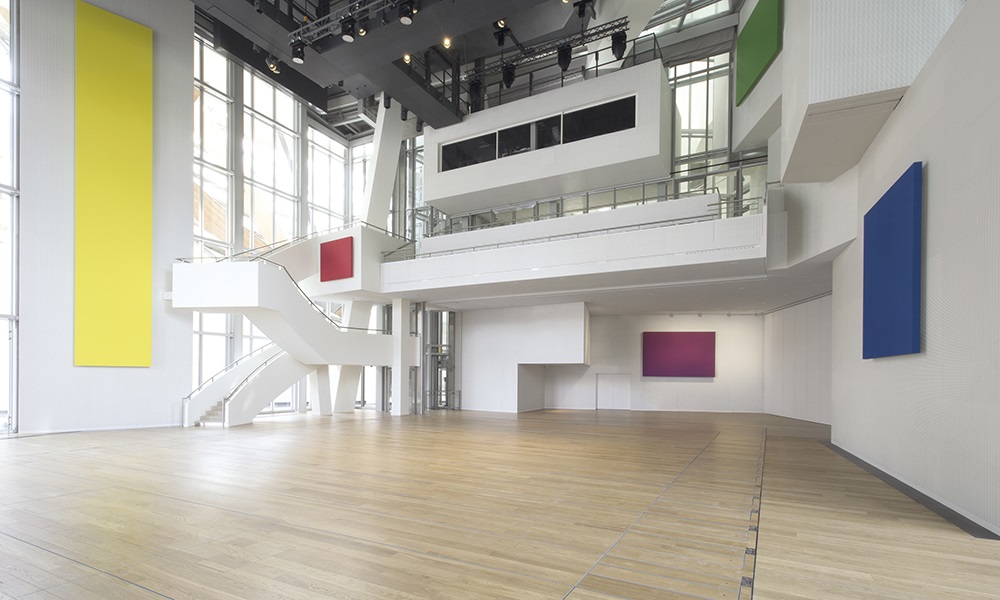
{"x": 114, "y": 190}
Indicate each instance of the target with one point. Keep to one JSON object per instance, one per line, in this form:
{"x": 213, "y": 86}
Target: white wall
{"x": 797, "y": 361}
{"x": 616, "y": 347}
{"x": 55, "y": 395}
{"x": 862, "y": 46}
{"x": 821, "y": 216}
{"x": 932, "y": 419}
{"x": 495, "y": 342}
{"x": 530, "y": 387}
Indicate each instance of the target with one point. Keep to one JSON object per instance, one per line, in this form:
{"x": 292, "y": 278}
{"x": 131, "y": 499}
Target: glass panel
{"x": 549, "y": 131}
{"x": 263, "y": 152}
{"x": 215, "y": 70}
{"x": 7, "y": 139}
{"x": 6, "y": 268}
{"x": 601, "y": 201}
{"x": 197, "y": 121}
{"x": 213, "y": 354}
{"x": 599, "y": 120}
{"x": 284, "y": 163}
{"x": 197, "y": 58}
{"x": 514, "y": 140}
{"x": 719, "y": 103}
{"x": 284, "y": 219}
{"x": 629, "y": 195}
{"x": 574, "y": 205}
{"x": 469, "y": 152}
{"x": 6, "y": 66}
{"x": 263, "y": 97}
{"x": 213, "y": 322}
{"x": 482, "y": 220}
{"x": 215, "y": 205}
{"x": 216, "y": 124}
{"x": 547, "y": 210}
{"x": 263, "y": 218}
{"x": 284, "y": 109}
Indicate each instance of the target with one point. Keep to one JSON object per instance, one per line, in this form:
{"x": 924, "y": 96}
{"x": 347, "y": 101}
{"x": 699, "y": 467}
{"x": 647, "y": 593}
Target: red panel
{"x": 336, "y": 259}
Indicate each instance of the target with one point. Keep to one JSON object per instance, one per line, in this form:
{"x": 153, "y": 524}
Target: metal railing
{"x": 735, "y": 208}
{"x": 242, "y": 384}
{"x": 226, "y": 369}
{"x": 263, "y": 251}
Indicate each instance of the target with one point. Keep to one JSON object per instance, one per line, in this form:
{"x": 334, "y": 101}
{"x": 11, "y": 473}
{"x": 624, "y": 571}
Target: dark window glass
{"x": 599, "y": 120}
{"x": 469, "y": 152}
{"x": 549, "y": 131}
{"x": 514, "y": 140}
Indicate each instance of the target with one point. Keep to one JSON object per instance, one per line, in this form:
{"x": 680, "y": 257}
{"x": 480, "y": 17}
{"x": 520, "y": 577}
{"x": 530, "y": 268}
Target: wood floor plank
{"x": 585, "y": 505}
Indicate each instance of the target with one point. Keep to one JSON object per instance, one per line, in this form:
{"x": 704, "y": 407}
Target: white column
{"x": 322, "y": 401}
{"x": 385, "y": 163}
{"x": 348, "y": 377}
{"x": 402, "y": 358}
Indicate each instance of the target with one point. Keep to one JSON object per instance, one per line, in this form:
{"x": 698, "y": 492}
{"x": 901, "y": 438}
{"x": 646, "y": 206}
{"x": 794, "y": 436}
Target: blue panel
{"x": 893, "y": 241}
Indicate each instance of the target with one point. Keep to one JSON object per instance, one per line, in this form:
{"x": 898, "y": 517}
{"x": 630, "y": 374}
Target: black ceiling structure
{"x": 373, "y": 63}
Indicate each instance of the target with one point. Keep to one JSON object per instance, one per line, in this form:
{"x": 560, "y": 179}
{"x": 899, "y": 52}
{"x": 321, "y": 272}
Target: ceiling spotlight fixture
{"x": 500, "y": 24}
{"x": 386, "y": 101}
{"x": 273, "y": 64}
{"x": 508, "y": 74}
{"x": 298, "y": 52}
{"x": 565, "y": 56}
{"x": 406, "y": 12}
{"x": 446, "y": 42}
{"x": 406, "y": 58}
{"x": 420, "y": 125}
{"x": 363, "y": 27}
{"x": 347, "y": 29}
{"x": 618, "y": 40}
{"x": 403, "y": 113}
{"x": 565, "y": 1}
{"x": 583, "y": 7}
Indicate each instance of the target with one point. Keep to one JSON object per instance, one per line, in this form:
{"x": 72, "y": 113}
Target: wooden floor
{"x": 553, "y": 504}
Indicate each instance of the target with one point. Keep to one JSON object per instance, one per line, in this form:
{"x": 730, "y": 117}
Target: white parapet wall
{"x": 585, "y": 246}
{"x": 642, "y": 152}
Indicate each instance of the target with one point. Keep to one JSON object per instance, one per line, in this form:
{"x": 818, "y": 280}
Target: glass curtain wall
{"x": 327, "y": 182}
{"x": 8, "y": 213}
{"x": 213, "y": 198}
{"x": 261, "y": 173}
{"x": 701, "y": 97}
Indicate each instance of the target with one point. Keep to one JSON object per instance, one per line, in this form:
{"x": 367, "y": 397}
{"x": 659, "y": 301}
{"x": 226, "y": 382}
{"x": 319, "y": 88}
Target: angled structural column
{"x": 374, "y": 210}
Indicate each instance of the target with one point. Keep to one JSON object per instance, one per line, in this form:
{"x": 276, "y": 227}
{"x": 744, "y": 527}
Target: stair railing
{"x": 242, "y": 384}
{"x": 186, "y": 400}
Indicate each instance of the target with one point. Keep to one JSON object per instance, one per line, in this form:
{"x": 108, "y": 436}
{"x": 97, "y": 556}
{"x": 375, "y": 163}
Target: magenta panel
{"x": 678, "y": 354}
{"x": 336, "y": 259}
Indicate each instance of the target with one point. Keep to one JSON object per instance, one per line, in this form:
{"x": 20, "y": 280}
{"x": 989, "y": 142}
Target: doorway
{"x": 613, "y": 391}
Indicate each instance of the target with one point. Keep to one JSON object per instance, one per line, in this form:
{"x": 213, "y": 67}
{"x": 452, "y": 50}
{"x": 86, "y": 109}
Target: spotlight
{"x": 347, "y": 29}
{"x": 565, "y": 1}
{"x": 582, "y": 6}
{"x": 565, "y": 56}
{"x": 508, "y": 74}
{"x": 363, "y": 28}
{"x": 406, "y": 12}
{"x": 446, "y": 42}
{"x": 500, "y": 24}
{"x": 257, "y": 6}
{"x": 403, "y": 113}
{"x": 273, "y": 64}
{"x": 386, "y": 101}
{"x": 618, "y": 44}
{"x": 420, "y": 125}
{"x": 406, "y": 58}
{"x": 299, "y": 52}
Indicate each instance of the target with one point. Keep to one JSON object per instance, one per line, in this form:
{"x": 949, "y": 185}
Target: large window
{"x": 701, "y": 92}
{"x": 270, "y": 163}
{"x": 327, "y": 183}
{"x": 8, "y": 214}
{"x": 263, "y": 174}
{"x": 213, "y": 197}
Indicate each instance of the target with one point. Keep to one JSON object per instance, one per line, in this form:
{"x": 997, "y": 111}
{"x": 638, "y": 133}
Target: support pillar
{"x": 401, "y": 357}
{"x": 322, "y": 402}
{"x": 348, "y": 377}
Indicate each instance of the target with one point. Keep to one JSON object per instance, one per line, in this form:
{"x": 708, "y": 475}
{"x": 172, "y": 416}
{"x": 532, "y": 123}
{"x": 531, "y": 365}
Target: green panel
{"x": 757, "y": 46}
